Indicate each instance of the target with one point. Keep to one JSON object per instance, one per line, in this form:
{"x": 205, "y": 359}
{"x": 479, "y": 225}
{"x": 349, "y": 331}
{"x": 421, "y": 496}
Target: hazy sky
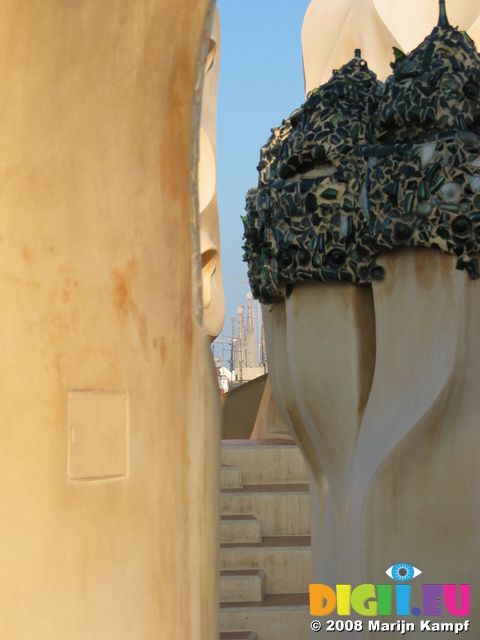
{"x": 261, "y": 83}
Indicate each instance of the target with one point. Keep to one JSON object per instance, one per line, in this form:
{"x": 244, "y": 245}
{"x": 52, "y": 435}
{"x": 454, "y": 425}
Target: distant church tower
{"x": 241, "y": 346}
{"x": 262, "y": 350}
{"x": 233, "y": 353}
{"x": 250, "y": 342}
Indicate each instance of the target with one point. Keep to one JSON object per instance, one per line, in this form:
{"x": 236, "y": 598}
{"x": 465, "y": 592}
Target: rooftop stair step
{"x": 231, "y": 477}
{"x": 247, "y": 585}
{"x": 265, "y": 461}
{"x": 286, "y": 561}
{"x": 277, "y": 616}
{"x": 265, "y": 556}
{"x": 240, "y": 529}
{"x": 281, "y": 509}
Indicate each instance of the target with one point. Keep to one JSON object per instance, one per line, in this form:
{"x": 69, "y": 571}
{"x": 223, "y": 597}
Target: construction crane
{"x": 227, "y": 340}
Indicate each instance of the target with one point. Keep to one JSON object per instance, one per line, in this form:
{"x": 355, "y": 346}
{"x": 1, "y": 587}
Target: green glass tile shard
{"x": 422, "y": 193}
{"x": 428, "y": 56}
{"x": 436, "y": 186}
{"x": 310, "y": 203}
{"x": 317, "y": 261}
{"x": 329, "y": 194}
{"x": 320, "y": 153}
{"x": 473, "y": 269}
{"x": 409, "y": 202}
{"x": 467, "y": 37}
{"x": 414, "y": 112}
{"x": 443, "y": 233}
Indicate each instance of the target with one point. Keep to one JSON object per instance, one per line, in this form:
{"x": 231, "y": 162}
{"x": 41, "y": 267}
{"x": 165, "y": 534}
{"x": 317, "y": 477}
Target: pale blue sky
{"x": 261, "y": 83}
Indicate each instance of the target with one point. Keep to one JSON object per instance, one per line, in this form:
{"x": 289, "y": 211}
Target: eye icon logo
{"x": 402, "y": 572}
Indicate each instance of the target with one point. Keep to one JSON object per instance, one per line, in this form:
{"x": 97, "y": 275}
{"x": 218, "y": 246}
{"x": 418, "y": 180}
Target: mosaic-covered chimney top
{"x": 300, "y": 221}
{"x": 434, "y": 88}
{"x": 355, "y": 172}
{"x": 332, "y": 121}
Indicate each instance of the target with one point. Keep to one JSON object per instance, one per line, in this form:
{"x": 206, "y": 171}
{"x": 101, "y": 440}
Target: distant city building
{"x": 224, "y": 378}
{"x": 247, "y": 348}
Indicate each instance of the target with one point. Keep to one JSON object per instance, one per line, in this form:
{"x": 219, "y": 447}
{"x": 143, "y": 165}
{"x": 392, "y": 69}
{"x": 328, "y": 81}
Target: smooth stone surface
{"x": 386, "y": 458}
{"x": 96, "y": 289}
{"x": 212, "y": 286}
{"x": 374, "y": 26}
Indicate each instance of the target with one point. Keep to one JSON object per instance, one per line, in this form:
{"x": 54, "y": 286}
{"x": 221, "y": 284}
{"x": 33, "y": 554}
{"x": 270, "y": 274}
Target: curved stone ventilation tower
{"x": 352, "y": 174}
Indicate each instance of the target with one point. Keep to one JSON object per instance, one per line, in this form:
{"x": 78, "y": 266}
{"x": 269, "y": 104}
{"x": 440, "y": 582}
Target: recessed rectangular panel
{"x": 97, "y": 435}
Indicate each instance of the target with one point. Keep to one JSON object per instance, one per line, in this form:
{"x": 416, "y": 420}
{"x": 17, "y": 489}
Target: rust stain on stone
{"x": 121, "y": 291}
{"x": 426, "y": 266}
{"x": 141, "y": 320}
{"x": 126, "y": 305}
{"x": 122, "y": 284}
{"x": 163, "y": 349}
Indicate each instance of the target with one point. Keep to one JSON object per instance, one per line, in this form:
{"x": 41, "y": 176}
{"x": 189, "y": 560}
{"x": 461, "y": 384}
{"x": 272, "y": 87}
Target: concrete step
{"x": 244, "y": 528}
{"x": 230, "y": 477}
{"x": 277, "y": 617}
{"x": 238, "y": 635}
{"x": 286, "y": 561}
{"x": 242, "y": 585}
{"x": 282, "y": 509}
{"x": 265, "y": 461}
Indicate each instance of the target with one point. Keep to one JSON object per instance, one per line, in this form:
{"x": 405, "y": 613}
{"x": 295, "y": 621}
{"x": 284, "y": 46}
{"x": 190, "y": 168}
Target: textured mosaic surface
{"x": 360, "y": 169}
{"x": 435, "y": 87}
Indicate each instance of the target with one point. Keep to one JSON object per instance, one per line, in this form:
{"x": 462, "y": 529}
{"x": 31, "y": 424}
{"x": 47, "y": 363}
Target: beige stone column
{"x": 275, "y": 323}
{"x": 109, "y": 424}
{"x": 330, "y": 340}
{"x": 415, "y": 475}
{"x": 212, "y": 286}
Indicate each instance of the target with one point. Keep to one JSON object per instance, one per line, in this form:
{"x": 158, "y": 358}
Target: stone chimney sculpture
{"x": 362, "y": 240}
